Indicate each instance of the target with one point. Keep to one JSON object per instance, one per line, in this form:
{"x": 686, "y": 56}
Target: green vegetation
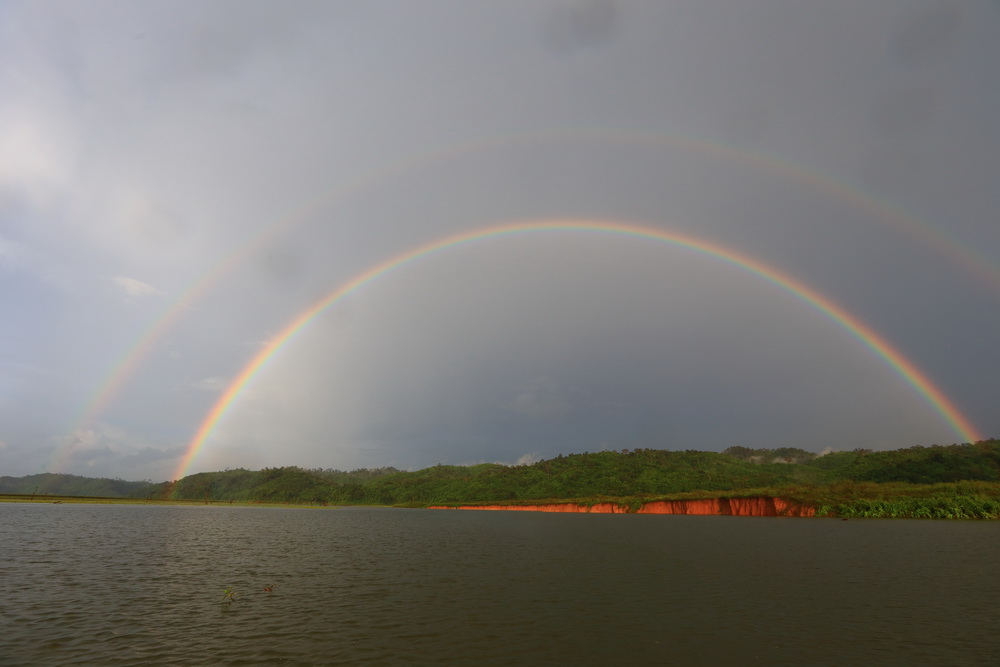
{"x": 954, "y": 500}
{"x": 277, "y": 485}
{"x": 953, "y": 481}
{"x": 72, "y": 485}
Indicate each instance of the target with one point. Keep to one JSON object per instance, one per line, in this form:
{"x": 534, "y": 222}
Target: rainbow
{"x": 112, "y": 382}
{"x": 891, "y": 356}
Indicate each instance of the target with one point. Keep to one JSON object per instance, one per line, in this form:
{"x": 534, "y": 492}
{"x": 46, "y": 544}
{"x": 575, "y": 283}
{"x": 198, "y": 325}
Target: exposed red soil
{"x": 759, "y": 506}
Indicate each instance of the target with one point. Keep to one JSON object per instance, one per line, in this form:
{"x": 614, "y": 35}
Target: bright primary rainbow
{"x": 127, "y": 364}
{"x": 965, "y": 257}
{"x": 895, "y": 359}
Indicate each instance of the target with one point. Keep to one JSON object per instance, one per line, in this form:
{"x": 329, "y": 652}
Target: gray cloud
{"x": 244, "y": 161}
{"x": 541, "y": 397}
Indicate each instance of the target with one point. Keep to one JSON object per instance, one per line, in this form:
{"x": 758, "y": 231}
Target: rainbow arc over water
{"x": 126, "y": 366}
{"x": 865, "y": 334}
{"x": 128, "y": 363}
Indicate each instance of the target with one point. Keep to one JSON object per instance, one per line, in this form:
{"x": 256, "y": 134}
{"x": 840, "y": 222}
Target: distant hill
{"x": 73, "y": 485}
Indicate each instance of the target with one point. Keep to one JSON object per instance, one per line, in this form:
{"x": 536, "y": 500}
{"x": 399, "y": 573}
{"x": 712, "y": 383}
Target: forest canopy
{"x": 626, "y": 474}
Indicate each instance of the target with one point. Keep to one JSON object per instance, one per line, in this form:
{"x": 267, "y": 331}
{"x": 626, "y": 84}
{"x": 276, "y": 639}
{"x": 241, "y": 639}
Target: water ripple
{"x": 134, "y": 585}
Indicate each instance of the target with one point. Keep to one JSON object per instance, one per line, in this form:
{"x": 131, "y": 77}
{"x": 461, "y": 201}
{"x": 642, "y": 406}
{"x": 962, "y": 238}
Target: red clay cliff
{"x": 759, "y": 506}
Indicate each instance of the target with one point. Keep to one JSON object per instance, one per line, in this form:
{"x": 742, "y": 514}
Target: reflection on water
{"x": 90, "y": 584}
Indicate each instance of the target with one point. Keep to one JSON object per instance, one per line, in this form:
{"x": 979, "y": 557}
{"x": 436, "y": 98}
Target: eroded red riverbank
{"x": 759, "y": 506}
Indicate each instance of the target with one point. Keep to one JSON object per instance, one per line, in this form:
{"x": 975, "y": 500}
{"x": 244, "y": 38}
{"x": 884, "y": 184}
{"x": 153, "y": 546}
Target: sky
{"x": 229, "y": 231}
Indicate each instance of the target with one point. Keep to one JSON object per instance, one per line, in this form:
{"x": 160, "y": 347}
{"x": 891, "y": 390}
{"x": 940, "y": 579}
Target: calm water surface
{"x": 131, "y": 585}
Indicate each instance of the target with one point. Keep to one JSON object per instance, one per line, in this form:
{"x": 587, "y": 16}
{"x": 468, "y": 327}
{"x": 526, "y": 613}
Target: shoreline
{"x": 961, "y": 506}
{"x": 43, "y": 499}
{"x": 753, "y": 506}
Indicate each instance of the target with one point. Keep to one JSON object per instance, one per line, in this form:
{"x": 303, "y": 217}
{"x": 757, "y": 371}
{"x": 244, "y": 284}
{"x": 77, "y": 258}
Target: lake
{"x": 131, "y": 585}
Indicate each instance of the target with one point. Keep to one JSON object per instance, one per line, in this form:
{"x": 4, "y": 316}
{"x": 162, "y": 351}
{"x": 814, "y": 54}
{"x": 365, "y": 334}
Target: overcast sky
{"x": 180, "y": 180}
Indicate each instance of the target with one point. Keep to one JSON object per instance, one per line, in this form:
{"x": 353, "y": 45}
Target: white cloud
{"x": 135, "y": 289}
{"x": 104, "y": 450}
{"x": 35, "y": 157}
{"x": 528, "y": 459}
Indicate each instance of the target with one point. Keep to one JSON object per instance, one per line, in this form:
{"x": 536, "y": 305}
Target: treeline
{"x": 627, "y": 473}
{"x": 952, "y": 480}
{"x": 917, "y": 465}
{"x": 639, "y": 473}
{"x": 54, "y": 484}
{"x": 275, "y": 485}
{"x": 271, "y": 484}
{"x": 650, "y": 473}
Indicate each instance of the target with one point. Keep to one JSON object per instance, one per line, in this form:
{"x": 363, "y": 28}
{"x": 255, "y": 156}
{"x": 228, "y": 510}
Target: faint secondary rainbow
{"x": 891, "y": 356}
{"x": 126, "y": 365}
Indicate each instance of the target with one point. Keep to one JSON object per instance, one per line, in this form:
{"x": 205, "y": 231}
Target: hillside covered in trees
{"x": 54, "y": 484}
{"x": 858, "y": 482}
